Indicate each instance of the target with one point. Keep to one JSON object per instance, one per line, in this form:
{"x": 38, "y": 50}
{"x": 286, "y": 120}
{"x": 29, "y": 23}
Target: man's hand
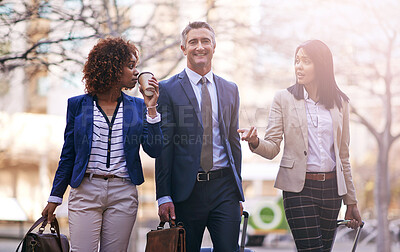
{"x": 48, "y": 211}
{"x": 165, "y": 211}
{"x": 353, "y": 215}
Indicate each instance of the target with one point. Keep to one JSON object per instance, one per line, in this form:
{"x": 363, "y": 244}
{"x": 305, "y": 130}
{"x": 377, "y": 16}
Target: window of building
{"x": 6, "y": 9}
{"x": 123, "y": 3}
{"x": 4, "y": 87}
{"x": 73, "y": 80}
{"x": 70, "y": 45}
{"x": 44, "y": 9}
{"x": 72, "y": 4}
{"x": 43, "y": 48}
{"x": 5, "y": 47}
{"x": 43, "y": 86}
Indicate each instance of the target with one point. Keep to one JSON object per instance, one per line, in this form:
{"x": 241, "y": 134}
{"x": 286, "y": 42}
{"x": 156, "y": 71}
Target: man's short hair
{"x": 196, "y": 25}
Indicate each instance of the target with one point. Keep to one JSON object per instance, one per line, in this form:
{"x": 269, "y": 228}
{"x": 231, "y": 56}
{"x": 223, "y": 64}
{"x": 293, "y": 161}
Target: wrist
{"x": 255, "y": 144}
{"x": 152, "y": 111}
{"x": 152, "y": 106}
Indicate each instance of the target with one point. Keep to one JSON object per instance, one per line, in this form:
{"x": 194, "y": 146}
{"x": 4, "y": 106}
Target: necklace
{"x": 312, "y": 121}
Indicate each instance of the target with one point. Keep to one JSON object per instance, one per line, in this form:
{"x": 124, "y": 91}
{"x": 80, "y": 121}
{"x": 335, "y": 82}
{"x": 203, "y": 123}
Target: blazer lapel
{"x": 335, "y": 119}
{"x": 187, "y": 87}
{"x": 299, "y": 106}
{"x": 220, "y": 100}
{"x": 128, "y": 111}
{"x": 87, "y": 110}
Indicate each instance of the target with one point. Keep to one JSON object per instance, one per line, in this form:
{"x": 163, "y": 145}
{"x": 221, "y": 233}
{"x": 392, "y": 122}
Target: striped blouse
{"x": 107, "y": 152}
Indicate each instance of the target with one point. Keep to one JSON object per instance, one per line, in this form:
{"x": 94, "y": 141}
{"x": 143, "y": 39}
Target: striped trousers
{"x": 312, "y": 214}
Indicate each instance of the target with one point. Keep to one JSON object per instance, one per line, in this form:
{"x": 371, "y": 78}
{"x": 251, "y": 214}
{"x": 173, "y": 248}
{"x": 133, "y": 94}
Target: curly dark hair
{"x": 105, "y": 63}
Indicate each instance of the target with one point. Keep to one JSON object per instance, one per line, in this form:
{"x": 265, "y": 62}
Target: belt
{"x": 203, "y": 176}
{"x": 105, "y": 177}
{"x": 320, "y": 176}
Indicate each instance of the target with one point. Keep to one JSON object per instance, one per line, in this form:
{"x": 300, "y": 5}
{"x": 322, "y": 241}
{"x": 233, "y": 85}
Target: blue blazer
{"x": 177, "y": 167}
{"x": 78, "y": 141}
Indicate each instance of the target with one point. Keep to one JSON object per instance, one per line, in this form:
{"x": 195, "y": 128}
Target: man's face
{"x": 199, "y": 49}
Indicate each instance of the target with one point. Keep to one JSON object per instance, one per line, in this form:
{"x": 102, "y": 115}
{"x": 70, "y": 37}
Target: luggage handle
{"x": 344, "y": 222}
{"x": 244, "y": 230}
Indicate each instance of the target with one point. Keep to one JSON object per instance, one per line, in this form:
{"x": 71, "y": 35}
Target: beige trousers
{"x": 102, "y": 211}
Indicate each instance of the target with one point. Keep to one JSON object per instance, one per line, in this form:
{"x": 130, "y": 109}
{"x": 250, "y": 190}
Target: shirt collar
{"x": 195, "y": 77}
{"x": 96, "y": 99}
{"x": 306, "y": 97}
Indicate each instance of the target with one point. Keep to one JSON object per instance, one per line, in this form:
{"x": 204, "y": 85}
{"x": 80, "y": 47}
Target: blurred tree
{"x": 55, "y": 32}
{"x": 364, "y": 38}
{"x": 374, "y": 75}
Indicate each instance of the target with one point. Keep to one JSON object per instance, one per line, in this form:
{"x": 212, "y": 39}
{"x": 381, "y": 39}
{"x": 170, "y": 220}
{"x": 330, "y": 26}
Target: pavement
{"x": 138, "y": 241}
{"x": 9, "y": 245}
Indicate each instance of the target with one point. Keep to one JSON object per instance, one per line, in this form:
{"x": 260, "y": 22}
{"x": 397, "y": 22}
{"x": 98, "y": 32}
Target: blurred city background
{"x": 44, "y": 43}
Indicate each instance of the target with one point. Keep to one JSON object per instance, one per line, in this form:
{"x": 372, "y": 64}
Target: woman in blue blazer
{"x": 100, "y": 157}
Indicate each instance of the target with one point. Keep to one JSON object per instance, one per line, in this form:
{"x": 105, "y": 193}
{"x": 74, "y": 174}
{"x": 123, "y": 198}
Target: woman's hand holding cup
{"x": 149, "y": 89}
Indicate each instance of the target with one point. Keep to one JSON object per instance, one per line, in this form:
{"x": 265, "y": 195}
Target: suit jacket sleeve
{"x": 234, "y": 138}
{"x": 269, "y": 147}
{"x": 165, "y": 160}
{"x": 350, "y": 197}
{"x": 67, "y": 158}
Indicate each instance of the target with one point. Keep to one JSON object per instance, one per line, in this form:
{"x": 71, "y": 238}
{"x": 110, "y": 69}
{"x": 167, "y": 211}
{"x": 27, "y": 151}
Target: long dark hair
{"x": 328, "y": 91}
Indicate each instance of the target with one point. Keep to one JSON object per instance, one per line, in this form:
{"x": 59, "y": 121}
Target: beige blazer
{"x": 288, "y": 121}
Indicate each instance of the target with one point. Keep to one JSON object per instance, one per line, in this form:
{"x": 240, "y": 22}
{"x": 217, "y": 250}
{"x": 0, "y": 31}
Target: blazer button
{"x": 305, "y": 153}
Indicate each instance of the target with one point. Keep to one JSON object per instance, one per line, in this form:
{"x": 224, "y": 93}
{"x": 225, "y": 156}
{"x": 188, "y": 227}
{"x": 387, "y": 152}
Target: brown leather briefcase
{"x": 166, "y": 239}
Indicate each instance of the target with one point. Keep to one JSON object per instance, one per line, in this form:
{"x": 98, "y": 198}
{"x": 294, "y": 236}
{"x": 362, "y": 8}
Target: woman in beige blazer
{"x": 312, "y": 117}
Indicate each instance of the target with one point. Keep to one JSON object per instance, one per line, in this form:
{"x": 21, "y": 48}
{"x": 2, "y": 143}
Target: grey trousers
{"x": 102, "y": 211}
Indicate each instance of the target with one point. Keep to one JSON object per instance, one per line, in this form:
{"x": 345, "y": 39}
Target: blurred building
{"x": 32, "y": 117}
{"x": 33, "y": 98}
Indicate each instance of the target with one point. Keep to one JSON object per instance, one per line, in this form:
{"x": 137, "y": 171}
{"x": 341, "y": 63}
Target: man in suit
{"x": 198, "y": 174}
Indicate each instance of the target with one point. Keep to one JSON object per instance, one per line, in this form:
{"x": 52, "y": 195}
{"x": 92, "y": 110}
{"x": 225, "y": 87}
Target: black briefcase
{"x": 44, "y": 242}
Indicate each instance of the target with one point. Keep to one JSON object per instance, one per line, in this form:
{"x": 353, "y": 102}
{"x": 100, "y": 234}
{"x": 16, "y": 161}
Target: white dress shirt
{"x": 220, "y": 158}
{"x": 321, "y": 154}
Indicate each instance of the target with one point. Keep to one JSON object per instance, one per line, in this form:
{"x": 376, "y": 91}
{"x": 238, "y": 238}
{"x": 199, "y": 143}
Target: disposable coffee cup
{"x": 144, "y": 78}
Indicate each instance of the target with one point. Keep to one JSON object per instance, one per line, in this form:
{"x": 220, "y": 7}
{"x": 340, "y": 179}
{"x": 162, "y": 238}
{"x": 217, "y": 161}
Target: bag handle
{"x": 54, "y": 227}
{"x": 171, "y": 222}
{"x": 162, "y": 223}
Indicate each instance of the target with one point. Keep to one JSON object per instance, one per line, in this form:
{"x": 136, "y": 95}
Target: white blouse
{"x": 321, "y": 153}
